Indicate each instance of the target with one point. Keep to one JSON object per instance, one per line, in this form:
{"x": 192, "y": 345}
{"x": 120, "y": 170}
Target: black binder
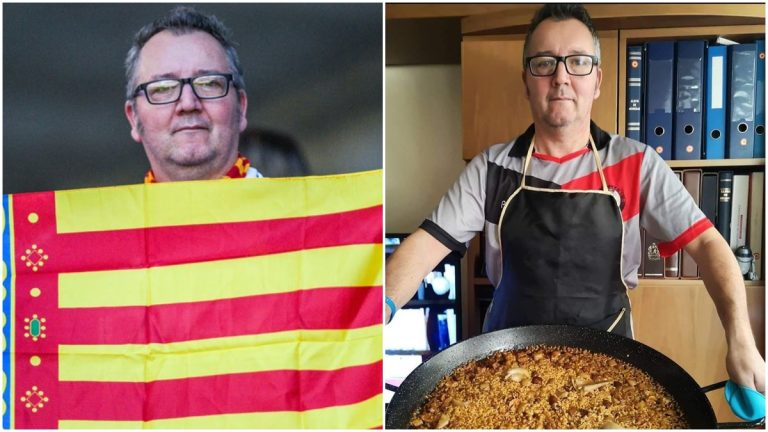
{"x": 724, "y": 204}
{"x": 709, "y": 195}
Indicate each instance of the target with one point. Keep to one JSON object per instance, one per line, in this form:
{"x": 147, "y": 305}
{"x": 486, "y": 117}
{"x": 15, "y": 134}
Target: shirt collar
{"x": 238, "y": 170}
{"x": 520, "y": 148}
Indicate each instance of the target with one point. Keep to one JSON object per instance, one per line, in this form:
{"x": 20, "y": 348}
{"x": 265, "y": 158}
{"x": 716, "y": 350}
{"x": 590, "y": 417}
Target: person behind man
{"x": 562, "y": 207}
{"x": 185, "y": 98}
{"x": 279, "y": 154}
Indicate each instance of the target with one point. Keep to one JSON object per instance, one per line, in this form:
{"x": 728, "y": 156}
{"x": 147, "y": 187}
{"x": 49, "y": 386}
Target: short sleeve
{"x": 460, "y": 213}
{"x": 667, "y": 210}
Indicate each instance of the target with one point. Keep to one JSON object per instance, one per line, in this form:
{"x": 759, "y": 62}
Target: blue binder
{"x": 717, "y": 77}
{"x": 689, "y": 95}
{"x": 760, "y": 100}
{"x": 658, "y": 97}
{"x": 741, "y": 110}
{"x": 634, "y": 129}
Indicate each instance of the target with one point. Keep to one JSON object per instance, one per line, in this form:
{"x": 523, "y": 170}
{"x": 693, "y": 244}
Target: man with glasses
{"x": 185, "y": 98}
{"x": 562, "y": 207}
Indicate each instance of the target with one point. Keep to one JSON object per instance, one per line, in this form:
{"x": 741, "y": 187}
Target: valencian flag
{"x": 214, "y": 304}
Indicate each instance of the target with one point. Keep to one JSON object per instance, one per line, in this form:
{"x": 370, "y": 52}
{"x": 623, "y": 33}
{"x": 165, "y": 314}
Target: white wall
{"x": 423, "y": 152}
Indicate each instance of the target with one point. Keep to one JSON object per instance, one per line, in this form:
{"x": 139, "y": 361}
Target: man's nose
{"x": 561, "y": 75}
{"x": 188, "y": 101}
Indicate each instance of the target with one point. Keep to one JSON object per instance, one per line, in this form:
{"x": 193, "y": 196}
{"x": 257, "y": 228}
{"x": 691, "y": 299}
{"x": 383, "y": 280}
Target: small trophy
{"x": 746, "y": 262}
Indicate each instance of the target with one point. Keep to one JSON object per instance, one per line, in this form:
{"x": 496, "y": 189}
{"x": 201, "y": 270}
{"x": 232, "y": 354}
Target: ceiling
{"x": 313, "y": 71}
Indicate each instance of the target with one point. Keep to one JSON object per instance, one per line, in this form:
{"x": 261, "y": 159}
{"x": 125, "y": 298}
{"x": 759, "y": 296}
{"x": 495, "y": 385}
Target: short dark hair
{"x": 182, "y": 20}
{"x": 561, "y": 12}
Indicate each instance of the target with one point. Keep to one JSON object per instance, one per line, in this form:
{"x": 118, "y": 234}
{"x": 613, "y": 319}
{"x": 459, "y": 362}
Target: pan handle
{"x": 733, "y": 425}
{"x": 391, "y": 387}
{"x": 714, "y": 386}
{"x": 743, "y": 425}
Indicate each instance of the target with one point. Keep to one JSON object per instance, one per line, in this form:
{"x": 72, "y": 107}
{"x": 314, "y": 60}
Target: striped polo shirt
{"x": 650, "y": 196}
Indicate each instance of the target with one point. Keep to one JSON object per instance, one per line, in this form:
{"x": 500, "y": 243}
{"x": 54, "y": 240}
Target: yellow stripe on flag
{"x": 362, "y": 415}
{"x": 217, "y": 201}
{"x": 299, "y": 350}
{"x": 340, "y": 266}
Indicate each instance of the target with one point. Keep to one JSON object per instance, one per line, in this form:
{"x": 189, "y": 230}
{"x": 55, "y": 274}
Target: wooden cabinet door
{"x": 494, "y": 106}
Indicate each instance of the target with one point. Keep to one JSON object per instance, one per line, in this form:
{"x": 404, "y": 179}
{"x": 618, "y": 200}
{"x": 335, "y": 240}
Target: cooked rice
{"x": 546, "y": 387}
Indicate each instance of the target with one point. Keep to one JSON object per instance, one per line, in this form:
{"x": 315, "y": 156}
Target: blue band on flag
{"x": 7, "y": 407}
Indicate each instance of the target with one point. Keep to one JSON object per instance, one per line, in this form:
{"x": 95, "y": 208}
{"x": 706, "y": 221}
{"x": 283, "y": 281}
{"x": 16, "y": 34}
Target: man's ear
{"x": 243, "y": 110}
{"x": 525, "y": 85}
{"x": 597, "y": 84}
{"x": 133, "y": 119}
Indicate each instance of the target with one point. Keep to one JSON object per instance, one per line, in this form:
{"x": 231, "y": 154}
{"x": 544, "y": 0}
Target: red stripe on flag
{"x": 146, "y": 247}
{"x": 284, "y": 390}
{"x": 314, "y": 309}
{"x": 174, "y": 245}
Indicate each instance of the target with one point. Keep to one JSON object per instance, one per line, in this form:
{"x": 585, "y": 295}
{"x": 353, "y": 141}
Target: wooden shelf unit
{"x": 716, "y": 163}
{"x": 515, "y": 19}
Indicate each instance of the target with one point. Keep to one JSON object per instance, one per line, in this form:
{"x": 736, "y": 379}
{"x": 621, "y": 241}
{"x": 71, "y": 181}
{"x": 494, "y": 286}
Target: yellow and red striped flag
{"x": 249, "y": 303}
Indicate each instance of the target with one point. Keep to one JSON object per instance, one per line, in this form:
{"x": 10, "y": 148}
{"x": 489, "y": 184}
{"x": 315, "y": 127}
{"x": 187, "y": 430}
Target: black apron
{"x": 561, "y": 259}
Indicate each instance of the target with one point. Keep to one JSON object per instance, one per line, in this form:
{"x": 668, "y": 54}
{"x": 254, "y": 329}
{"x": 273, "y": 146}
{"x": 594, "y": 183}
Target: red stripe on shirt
{"x": 321, "y": 309}
{"x": 282, "y": 390}
{"x": 668, "y": 248}
{"x": 623, "y": 176}
{"x": 563, "y": 159}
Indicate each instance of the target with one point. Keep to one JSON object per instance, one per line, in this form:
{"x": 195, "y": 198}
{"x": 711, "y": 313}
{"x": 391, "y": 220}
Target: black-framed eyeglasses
{"x": 546, "y": 65}
{"x": 168, "y": 90}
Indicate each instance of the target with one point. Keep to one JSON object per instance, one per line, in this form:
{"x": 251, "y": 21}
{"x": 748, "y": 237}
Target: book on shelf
{"x": 708, "y": 201}
{"x": 692, "y": 182}
{"x": 739, "y": 210}
{"x": 635, "y": 92}
{"x": 672, "y": 262}
{"x": 725, "y": 189}
{"x": 756, "y": 212}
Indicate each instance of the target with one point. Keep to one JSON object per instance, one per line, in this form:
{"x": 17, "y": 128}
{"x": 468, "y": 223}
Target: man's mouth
{"x": 190, "y": 128}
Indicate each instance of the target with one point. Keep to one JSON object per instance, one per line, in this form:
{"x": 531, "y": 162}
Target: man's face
{"x": 561, "y": 100}
{"x": 189, "y": 139}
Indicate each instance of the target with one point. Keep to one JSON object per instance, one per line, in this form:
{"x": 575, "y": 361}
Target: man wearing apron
{"x": 561, "y": 259}
{"x": 562, "y": 206}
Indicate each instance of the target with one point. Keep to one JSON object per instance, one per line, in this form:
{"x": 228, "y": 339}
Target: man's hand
{"x": 745, "y": 366}
{"x": 725, "y": 285}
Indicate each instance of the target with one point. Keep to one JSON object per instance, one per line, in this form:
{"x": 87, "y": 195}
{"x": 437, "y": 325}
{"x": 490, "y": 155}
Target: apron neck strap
{"x": 594, "y": 152}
